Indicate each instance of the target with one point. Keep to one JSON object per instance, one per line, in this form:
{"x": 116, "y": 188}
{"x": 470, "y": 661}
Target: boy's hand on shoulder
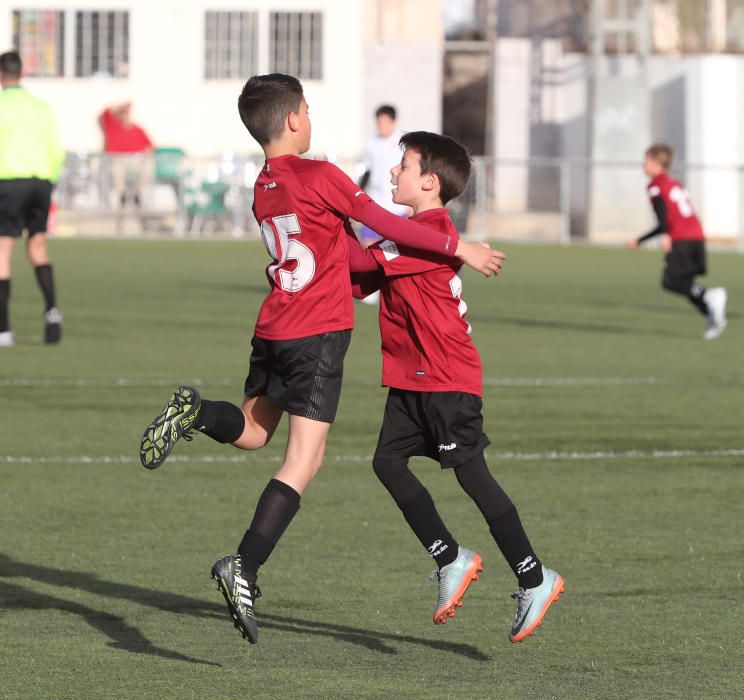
{"x": 481, "y": 257}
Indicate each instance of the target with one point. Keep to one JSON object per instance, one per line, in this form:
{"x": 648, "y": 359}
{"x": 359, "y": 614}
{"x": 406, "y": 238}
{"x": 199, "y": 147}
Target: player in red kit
{"x": 685, "y": 258}
{"x": 303, "y": 328}
{"x": 434, "y": 375}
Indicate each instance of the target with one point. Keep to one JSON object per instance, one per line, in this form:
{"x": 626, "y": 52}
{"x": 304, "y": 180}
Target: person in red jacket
{"x": 684, "y": 243}
{"x": 129, "y": 150}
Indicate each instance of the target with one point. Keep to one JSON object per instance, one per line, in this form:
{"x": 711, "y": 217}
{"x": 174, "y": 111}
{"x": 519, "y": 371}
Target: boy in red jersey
{"x": 303, "y": 328}
{"x": 435, "y": 377}
{"x": 685, "y": 259}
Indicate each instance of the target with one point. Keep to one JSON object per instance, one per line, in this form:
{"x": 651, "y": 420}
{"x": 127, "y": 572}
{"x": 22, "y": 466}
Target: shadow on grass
{"x": 129, "y": 638}
{"x": 375, "y": 641}
{"x": 122, "y": 635}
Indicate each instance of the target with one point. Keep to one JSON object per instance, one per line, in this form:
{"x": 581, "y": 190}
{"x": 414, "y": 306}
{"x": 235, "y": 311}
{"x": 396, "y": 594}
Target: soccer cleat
{"x": 715, "y": 299}
{"x": 6, "y": 339}
{"x": 175, "y": 421}
{"x": 52, "y": 325}
{"x": 533, "y": 603}
{"x": 454, "y": 580}
{"x": 240, "y": 594}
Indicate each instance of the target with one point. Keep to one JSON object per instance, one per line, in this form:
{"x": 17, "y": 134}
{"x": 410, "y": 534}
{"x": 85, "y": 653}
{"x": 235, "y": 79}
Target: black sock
{"x": 696, "y": 296}
{"x": 4, "y": 299}
{"x": 503, "y": 520}
{"x": 277, "y": 506}
{"x": 422, "y": 517}
{"x": 221, "y": 420}
{"x": 46, "y": 283}
{"x": 417, "y": 507}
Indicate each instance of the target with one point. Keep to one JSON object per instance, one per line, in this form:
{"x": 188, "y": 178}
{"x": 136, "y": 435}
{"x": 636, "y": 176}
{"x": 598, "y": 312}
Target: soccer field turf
{"x": 615, "y": 429}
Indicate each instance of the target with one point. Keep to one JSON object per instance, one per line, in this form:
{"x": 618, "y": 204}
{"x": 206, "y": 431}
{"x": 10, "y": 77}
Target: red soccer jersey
{"x": 426, "y": 344}
{"x": 302, "y": 208}
{"x": 682, "y": 223}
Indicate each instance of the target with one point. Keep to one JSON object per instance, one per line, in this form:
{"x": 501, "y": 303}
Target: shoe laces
{"x": 435, "y": 575}
{"x": 520, "y": 596}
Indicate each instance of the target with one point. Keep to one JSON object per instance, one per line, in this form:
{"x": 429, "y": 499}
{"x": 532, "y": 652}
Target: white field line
{"x": 115, "y": 382}
{"x": 244, "y": 457}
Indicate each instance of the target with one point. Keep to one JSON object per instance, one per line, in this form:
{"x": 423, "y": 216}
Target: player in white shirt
{"x": 381, "y": 153}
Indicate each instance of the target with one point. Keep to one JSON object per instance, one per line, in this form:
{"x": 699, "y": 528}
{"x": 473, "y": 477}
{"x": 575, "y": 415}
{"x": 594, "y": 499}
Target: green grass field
{"x": 615, "y": 429}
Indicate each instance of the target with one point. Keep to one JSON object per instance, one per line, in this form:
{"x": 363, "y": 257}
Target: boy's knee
{"x": 386, "y": 468}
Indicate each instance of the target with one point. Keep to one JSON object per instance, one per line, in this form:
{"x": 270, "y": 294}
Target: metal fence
{"x": 182, "y": 195}
{"x": 575, "y": 199}
{"x": 556, "y": 200}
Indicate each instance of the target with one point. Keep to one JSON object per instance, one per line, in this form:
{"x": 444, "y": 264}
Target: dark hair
{"x": 389, "y": 110}
{"x": 11, "y": 64}
{"x": 442, "y": 156}
{"x": 266, "y": 101}
{"x": 661, "y": 153}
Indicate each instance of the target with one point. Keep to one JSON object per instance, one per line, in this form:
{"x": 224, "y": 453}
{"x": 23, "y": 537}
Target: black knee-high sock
{"x": 418, "y": 509}
{"x": 45, "y": 278}
{"x": 220, "y": 420}
{"x": 4, "y": 299}
{"x": 503, "y": 520}
{"x": 697, "y": 298}
{"x": 277, "y": 506}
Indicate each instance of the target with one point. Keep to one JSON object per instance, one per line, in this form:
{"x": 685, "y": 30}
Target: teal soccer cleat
{"x": 533, "y": 603}
{"x": 175, "y": 421}
{"x": 454, "y": 580}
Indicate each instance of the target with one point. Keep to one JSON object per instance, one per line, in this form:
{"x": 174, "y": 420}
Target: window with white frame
{"x": 296, "y": 44}
{"x": 39, "y": 37}
{"x": 101, "y": 44}
{"x": 230, "y": 44}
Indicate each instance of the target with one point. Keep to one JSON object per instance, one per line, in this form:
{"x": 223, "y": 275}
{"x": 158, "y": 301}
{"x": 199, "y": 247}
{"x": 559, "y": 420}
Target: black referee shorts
{"x": 302, "y": 376}
{"x": 24, "y": 204}
{"x": 685, "y": 260}
{"x": 446, "y": 426}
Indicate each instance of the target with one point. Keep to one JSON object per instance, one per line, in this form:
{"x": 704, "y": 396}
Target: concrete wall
{"x": 695, "y": 103}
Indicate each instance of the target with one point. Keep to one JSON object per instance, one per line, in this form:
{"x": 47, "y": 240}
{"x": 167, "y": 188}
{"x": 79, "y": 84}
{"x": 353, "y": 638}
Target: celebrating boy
{"x": 434, "y": 402}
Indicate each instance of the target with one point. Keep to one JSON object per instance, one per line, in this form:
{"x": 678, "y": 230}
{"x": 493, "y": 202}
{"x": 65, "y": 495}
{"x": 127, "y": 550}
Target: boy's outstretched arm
{"x": 661, "y": 226}
{"x": 366, "y": 275}
{"x": 479, "y": 256}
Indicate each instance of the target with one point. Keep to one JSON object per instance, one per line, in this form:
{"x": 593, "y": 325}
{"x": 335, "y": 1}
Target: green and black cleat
{"x": 174, "y": 422}
{"x": 240, "y": 594}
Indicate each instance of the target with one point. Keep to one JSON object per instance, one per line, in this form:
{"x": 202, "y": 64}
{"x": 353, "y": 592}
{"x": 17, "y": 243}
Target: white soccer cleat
{"x": 715, "y": 298}
{"x": 6, "y": 339}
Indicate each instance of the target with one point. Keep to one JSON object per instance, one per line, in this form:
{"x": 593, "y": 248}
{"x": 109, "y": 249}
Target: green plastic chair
{"x": 207, "y": 202}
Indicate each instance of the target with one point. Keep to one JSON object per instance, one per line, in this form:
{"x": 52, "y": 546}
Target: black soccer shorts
{"x": 446, "y": 426}
{"x": 686, "y": 259}
{"x": 24, "y": 204}
{"x": 302, "y": 376}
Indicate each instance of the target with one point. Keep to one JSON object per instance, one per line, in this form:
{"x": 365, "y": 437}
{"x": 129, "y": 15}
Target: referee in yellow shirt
{"x": 31, "y": 156}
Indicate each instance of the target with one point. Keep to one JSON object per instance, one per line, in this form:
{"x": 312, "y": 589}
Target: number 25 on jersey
{"x": 294, "y": 261}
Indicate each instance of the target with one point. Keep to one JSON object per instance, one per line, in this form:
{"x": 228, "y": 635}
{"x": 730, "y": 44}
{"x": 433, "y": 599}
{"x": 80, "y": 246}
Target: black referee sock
{"x": 46, "y": 283}
{"x": 4, "y": 299}
{"x": 277, "y": 506}
{"x": 422, "y": 517}
{"x": 220, "y": 420}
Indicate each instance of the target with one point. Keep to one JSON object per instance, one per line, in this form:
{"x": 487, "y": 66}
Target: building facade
{"x": 183, "y": 62}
